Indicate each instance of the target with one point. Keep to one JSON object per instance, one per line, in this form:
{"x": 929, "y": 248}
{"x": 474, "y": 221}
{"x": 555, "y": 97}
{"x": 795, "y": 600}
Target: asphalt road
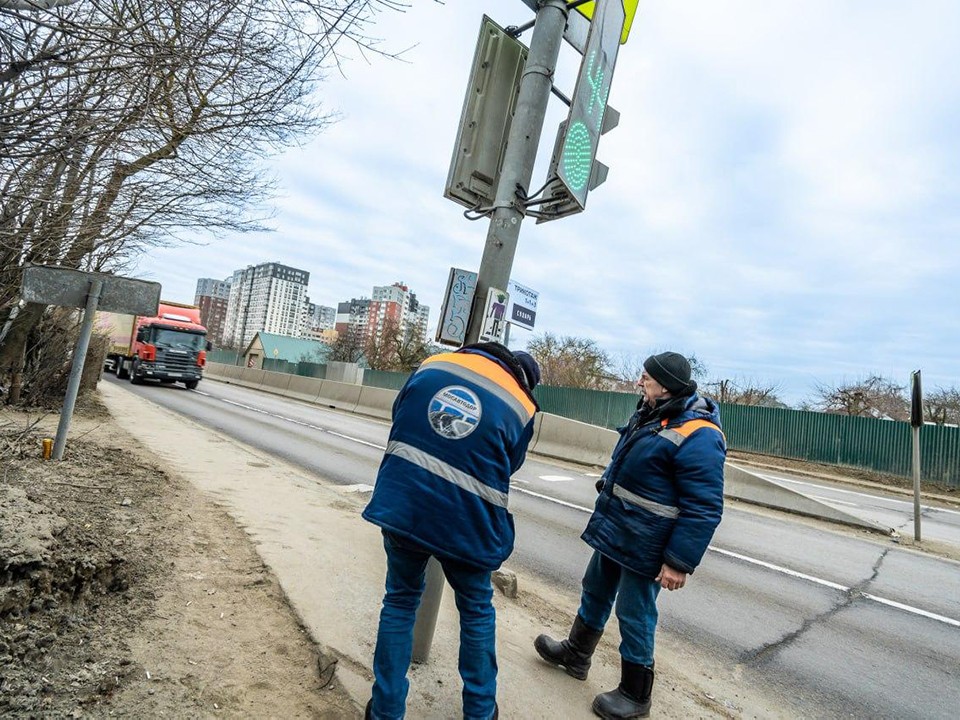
{"x": 843, "y": 623}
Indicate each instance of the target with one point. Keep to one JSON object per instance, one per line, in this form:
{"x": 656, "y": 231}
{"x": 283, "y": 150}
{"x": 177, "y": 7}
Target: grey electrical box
{"x": 488, "y": 110}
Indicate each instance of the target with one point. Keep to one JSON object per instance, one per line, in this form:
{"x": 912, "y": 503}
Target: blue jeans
{"x": 636, "y": 596}
{"x": 406, "y": 566}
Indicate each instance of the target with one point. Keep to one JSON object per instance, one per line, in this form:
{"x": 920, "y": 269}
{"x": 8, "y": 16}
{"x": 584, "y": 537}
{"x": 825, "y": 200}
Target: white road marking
{"x": 556, "y": 478}
{"x": 833, "y": 501}
{"x": 782, "y": 570}
{"x": 300, "y": 423}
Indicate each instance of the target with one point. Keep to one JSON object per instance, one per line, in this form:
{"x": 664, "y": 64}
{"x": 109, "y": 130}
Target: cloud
{"x": 781, "y": 200}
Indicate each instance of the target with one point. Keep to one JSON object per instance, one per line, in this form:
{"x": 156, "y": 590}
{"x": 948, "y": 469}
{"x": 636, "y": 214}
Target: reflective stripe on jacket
{"x": 662, "y": 497}
{"x": 461, "y": 427}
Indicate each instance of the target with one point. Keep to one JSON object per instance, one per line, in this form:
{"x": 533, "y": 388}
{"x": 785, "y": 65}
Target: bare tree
{"x": 570, "y": 361}
{"x": 396, "y": 348}
{"x": 942, "y": 406}
{"x": 348, "y": 347}
{"x": 744, "y": 392}
{"x": 125, "y": 125}
{"x": 875, "y": 396}
{"x": 626, "y": 369}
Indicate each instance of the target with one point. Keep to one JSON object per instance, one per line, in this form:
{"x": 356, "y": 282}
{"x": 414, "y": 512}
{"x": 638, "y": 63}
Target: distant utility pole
{"x": 518, "y": 161}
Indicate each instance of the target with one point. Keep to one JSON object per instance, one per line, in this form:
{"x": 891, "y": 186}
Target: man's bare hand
{"x": 671, "y": 579}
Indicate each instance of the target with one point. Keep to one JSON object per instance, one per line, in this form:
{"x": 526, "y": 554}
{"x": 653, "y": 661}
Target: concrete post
{"x": 916, "y": 483}
{"x": 76, "y": 369}
{"x": 426, "y": 622}
{"x": 518, "y": 161}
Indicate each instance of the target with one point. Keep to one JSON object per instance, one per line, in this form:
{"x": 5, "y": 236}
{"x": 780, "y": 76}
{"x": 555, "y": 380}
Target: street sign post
{"x": 916, "y": 422}
{"x": 53, "y": 285}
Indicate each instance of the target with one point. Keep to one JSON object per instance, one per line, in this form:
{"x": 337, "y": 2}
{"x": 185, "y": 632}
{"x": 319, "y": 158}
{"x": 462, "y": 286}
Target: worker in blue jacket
{"x": 660, "y": 501}
{"x": 461, "y": 427}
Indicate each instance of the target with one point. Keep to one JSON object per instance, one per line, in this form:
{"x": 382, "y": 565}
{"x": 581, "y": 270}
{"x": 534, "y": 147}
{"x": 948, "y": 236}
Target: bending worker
{"x": 461, "y": 427}
{"x": 661, "y": 499}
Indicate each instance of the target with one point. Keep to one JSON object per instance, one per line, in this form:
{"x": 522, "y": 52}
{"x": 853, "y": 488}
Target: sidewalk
{"x": 330, "y": 564}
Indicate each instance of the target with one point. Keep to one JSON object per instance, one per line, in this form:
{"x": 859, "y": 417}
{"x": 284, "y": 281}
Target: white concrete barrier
{"x": 342, "y": 396}
{"x": 276, "y": 382}
{"x": 251, "y": 378}
{"x": 744, "y": 485}
{"x": 572, "y": 440}
{"x": 377, "y": 402}
{"x": 303, "y": 388}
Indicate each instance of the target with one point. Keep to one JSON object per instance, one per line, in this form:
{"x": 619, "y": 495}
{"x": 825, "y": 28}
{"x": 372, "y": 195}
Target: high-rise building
{"x": 211, "y": 297}
{"x": 270, "y": 297}
{"x": 394, "y": 305}
{"x": 351, "y": 318}
{"x": 319, "y": 323}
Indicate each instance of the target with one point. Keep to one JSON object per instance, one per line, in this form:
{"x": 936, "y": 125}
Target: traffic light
{"x": 585, "y": 122}
{"x": 488, "y": 110}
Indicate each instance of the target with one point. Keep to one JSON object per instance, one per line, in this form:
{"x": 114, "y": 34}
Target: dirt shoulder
{"x": 125, "y": 592}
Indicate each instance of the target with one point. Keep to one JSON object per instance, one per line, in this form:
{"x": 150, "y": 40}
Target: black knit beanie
{"x": 671, "y": 370}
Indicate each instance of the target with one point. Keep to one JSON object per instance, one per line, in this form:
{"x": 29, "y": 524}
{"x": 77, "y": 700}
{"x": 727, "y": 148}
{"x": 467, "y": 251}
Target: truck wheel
{"x": 192, "y": 384}
{"x": 134, "y": 380}
{"x": 121, "y": 373}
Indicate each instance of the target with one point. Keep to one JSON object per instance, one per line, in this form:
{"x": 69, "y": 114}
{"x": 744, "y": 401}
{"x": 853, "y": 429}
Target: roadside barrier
{"x": 377, "y": 402}
{"x": 342, "y": 396}
{"x": 573, "y": 440}
{"x": 304, "y": 388}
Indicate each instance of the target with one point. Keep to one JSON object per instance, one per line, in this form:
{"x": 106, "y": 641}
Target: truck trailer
{"x": 170, "y": 347}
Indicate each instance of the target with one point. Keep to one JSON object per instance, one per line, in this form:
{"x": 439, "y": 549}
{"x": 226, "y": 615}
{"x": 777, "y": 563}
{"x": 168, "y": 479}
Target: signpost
{"x": 916, "y": 422}
{"x": 53, "y": 285}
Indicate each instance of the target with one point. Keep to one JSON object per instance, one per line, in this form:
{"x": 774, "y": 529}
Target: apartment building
{"x": 269, "y": 297}
{"x": 320, "y": 322}
{"x": 395, "y": 305}
{"x": 212, "y": 297}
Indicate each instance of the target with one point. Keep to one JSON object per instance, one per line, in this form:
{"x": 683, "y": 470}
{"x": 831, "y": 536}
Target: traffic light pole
{"x": 519, "y": 158}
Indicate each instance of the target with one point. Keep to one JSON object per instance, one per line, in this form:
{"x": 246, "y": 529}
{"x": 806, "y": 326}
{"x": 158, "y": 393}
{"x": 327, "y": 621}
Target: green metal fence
{"x": 226, "y": 357}
{"x": 384, "y": 379}
{"x": 867, "y": 443}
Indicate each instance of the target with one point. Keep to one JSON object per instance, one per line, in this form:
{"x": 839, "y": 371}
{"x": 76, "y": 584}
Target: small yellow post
{"x": 47, "y": 448}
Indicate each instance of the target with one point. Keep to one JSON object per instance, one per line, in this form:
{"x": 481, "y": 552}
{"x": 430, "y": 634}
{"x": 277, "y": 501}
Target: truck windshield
{"x": 178, "y": 339}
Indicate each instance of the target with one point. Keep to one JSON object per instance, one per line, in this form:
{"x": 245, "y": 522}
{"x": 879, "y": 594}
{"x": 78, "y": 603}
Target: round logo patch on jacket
{"x": 454, "y": 412}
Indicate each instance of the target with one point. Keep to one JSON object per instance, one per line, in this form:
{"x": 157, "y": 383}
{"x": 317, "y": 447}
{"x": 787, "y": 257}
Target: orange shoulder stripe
{"x": 691, "y": 426}
{"x": 490, "y": 370}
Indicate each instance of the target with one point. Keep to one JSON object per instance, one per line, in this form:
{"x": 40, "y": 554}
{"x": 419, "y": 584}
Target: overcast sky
{"x": 783, "y": 197}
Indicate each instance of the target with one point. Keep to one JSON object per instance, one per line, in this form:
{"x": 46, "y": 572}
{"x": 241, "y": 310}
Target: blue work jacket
{"x": 461, "y": 427}
{"x": 662, "y": 496}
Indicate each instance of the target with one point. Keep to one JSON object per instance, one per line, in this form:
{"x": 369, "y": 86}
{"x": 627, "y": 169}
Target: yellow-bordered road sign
{"x": 629, "y": 10}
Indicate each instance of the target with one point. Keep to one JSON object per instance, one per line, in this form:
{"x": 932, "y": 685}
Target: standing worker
{"x": 661, "y": 499}
{"x": 461, "y": 427}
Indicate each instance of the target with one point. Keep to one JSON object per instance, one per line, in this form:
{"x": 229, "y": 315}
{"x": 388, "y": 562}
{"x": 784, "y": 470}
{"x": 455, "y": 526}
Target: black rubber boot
{"x": 632, "y": 698}
{"x": 572, "y": 654}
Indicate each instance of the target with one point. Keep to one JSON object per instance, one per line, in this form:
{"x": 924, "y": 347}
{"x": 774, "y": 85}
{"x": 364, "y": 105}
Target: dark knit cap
{"x": 671, "y": 370}
{"x": 530, "y": 367}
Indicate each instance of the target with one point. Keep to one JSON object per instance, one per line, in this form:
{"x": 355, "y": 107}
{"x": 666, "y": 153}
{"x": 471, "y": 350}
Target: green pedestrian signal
{"x": 589, "y": 103}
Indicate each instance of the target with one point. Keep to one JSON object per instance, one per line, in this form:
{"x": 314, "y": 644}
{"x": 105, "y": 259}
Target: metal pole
{"x": 916, "y": 483}
{"x": 76, "y": 368}
{"x": 426, "y": 622}
{"x": 519, "y": 158}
